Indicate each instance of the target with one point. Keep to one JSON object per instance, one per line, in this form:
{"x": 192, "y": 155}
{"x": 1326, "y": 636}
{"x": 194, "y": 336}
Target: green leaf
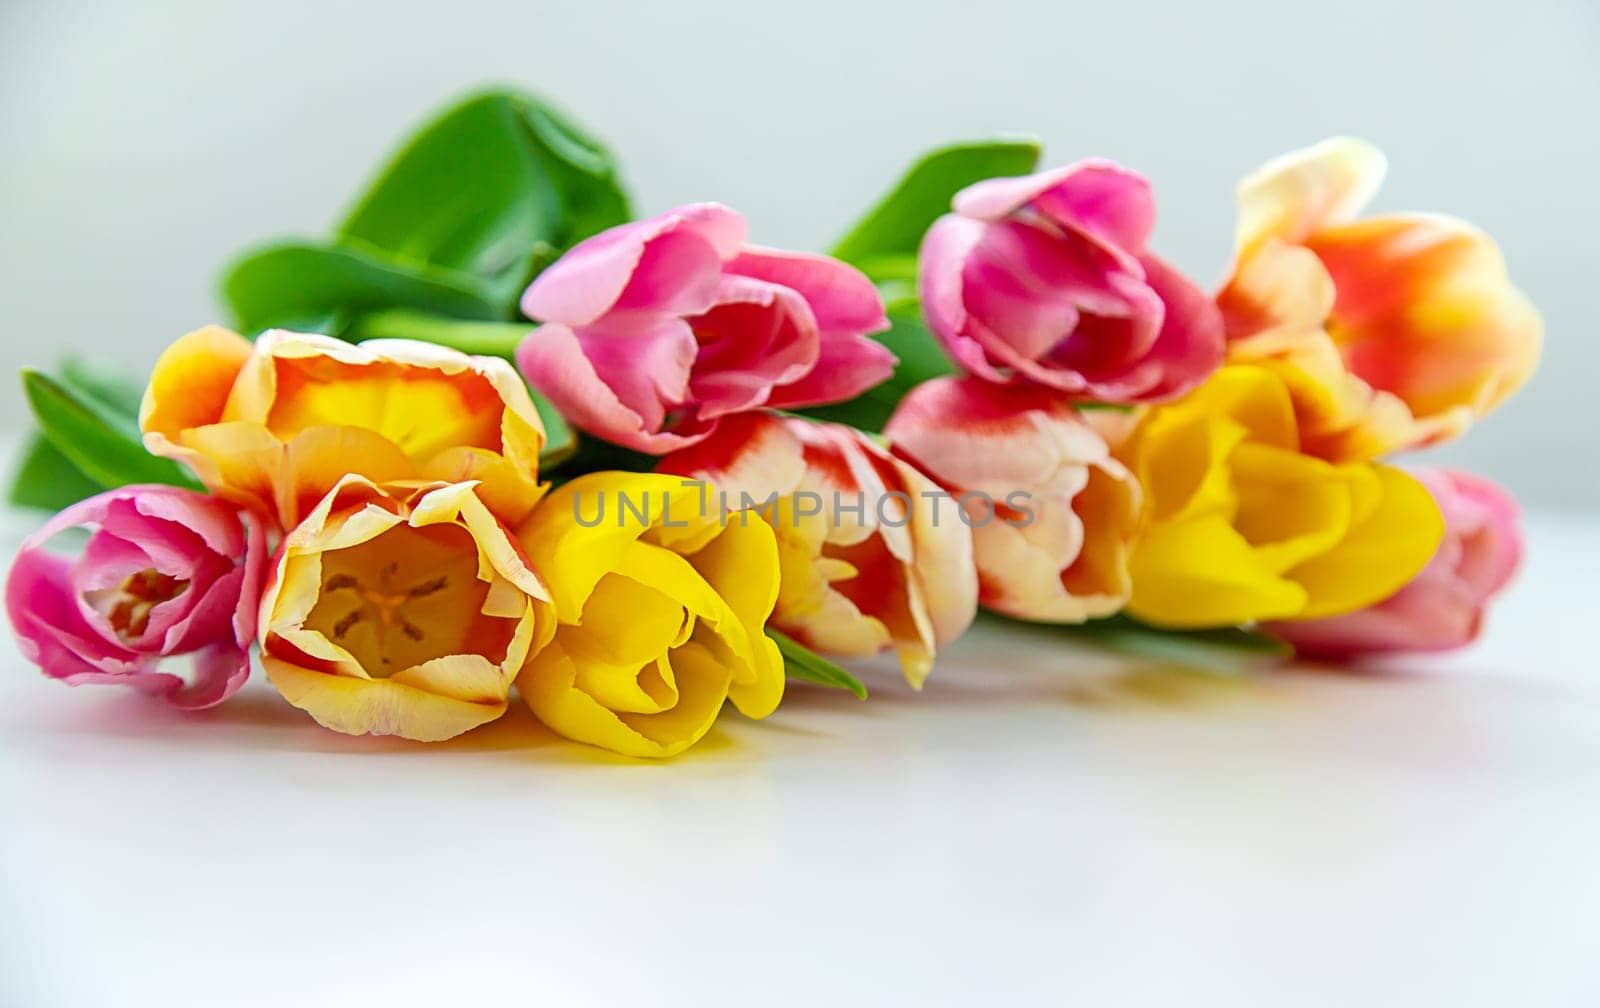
{"x": 46, "y": 480}
{"x": 488, "y": 339}
{"x": 494, "y": 187}
{"x": 103, "y": 444}
{"x": 883, "y": 244}
{"x": 121, "y": 394}
{"x": 920, "y": 359}
{"x": 800, "y": 662}
{"x": 1225, "y": 651}
{"x": 320, "y": 288}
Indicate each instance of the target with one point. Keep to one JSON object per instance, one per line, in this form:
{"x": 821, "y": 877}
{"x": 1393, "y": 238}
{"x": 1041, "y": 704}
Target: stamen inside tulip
{"x": 406, "y": 597}
{"x": 127, "y": 607}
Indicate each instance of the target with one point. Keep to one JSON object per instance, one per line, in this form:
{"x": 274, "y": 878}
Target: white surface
{"x": 1040, "y": 826}
{"x": 147, "y": 143}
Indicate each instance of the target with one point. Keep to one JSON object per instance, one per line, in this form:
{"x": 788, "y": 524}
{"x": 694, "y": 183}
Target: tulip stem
{"x": 493, "y": 339}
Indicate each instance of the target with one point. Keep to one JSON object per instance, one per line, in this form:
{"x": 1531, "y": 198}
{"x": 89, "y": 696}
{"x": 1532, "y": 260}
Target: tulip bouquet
{"x": 496, "y": 435}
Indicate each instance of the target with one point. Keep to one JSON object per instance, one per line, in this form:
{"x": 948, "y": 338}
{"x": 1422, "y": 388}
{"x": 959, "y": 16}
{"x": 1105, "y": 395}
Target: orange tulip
{"x": 1391, "y": 332}
{"x": 275, "y": 426}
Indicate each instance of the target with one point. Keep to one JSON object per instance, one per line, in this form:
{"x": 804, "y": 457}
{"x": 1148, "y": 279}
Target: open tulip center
{"x": 404, "y": 598}
{"x": 127, "y": 607}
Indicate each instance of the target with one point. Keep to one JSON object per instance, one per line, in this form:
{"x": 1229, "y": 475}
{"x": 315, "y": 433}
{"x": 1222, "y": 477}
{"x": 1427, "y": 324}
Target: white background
{"x": 142, "y": 144}
{"x": 1042, "y": 825}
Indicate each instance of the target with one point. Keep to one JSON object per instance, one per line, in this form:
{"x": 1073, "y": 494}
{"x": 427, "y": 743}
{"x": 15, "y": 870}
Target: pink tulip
{"x": 1045, "y": 278}
{"x": 656, "y": 330}
{"x": 164, "y": 572}
{"x": 1052, "y": 512}
{"x": 1443, "y": 606}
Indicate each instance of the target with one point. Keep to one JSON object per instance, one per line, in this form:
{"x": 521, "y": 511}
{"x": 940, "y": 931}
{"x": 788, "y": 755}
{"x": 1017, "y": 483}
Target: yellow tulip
{"x": 275, "y": 426}
{"x": 403, "y": 609}
{"x": 1241, "y": 525}
{"x": 662, "y": 605}
{"x": 1392, "y": 332}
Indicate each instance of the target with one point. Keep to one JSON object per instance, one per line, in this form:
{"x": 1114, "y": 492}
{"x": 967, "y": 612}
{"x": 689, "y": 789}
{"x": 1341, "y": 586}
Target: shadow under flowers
{"x": 258, "y": 718}
{"x": 1000, "y": 665}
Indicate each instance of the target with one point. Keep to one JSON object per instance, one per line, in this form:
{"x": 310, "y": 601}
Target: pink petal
{"x": 1489, "y": 521}
{"x": 219, "y": 670}
{"x": 1095, "y": 195}
{"x": 107, "y": 561}
{"x": 207, "y": 615}
{"x": 846, "y": 367}
{"x": 841, "y": 297}
{"x": 254, "y": 580}
{"x": 940, "y": 264}
{"x": 51, "y": 632}
{"x": 214, "y": 521}
{"x": 555, "y": 362}
{"x": 756, "y": 336}
{"x": 597, "y": 273}
{"x": 1069, "y": 265}
{"x": 1191, "y": 343}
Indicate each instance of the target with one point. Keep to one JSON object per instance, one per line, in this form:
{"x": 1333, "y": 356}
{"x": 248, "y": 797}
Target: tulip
{"x": 401, "y": 610}
{"x": 662, "y": 605}
{"x": 1052, "y": 512}
{"x": 1442, "y": 608}
{"x": 873, "y": 553}
{"x": 656, "y": 330}
{"x": 1242, "y": 526}
{"x": 1046, "y": 279}
{"x": 1392, "y": 332}
{"x": 165, "y": 572}
{"x": 277, "y": 425}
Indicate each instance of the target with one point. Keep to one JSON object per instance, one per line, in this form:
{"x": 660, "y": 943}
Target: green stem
{"x": 492, "y": 339}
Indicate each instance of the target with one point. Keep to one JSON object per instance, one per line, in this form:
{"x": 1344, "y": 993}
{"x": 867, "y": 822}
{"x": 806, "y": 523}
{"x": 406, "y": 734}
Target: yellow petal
{"x": 378, "y": 707}
{"x": 191, "y": 383}
{"x": 1291, "y": 507}
{"x": 547, "y": 685}
{"x": 1202, "y": 573}
{"x": 1395, "y": 539}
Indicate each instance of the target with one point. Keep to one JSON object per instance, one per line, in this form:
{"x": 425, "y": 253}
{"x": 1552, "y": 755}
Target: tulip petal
{"x": 840, "y": 296}
{"x": 1384, "y": 550}
{"x": 1425, "y": 311}
{"x": 667, "y": 263}
{"x": 379, "y": 707}
{"x": 1299, "y": 193}
{"x": 1093, "y": 195}
{"x": 1200, "y": 572}
{"x": 190, "y": 385}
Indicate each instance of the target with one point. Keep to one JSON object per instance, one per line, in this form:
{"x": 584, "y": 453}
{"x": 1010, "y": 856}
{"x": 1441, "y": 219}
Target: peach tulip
{"x": 401, "y": 610}
{"x": 1052, "y": 513}
{"x": 870, "y": 557}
